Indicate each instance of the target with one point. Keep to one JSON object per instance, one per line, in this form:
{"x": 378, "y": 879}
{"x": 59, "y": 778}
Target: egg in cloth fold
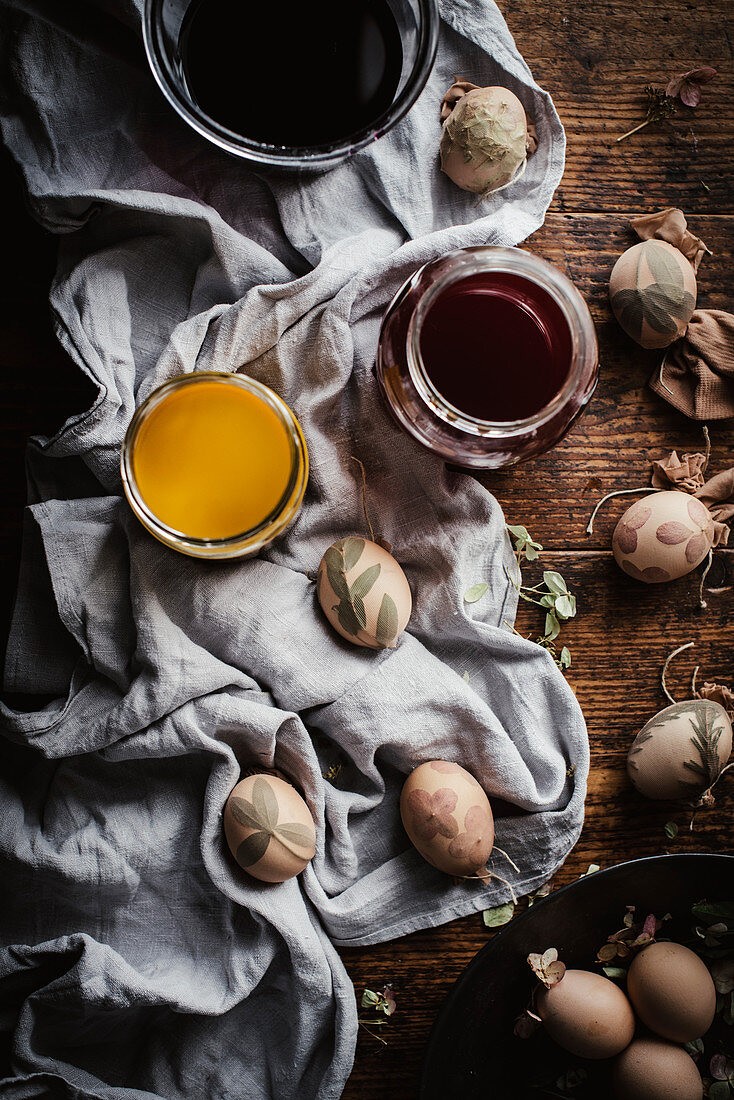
{"x": 269, "y": 828}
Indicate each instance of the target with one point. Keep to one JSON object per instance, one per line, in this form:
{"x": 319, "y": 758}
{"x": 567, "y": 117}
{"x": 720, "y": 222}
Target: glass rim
{"x": 276, "y": 520}
{"x": 316, "y": 156}
{"x": 511, "y": 261}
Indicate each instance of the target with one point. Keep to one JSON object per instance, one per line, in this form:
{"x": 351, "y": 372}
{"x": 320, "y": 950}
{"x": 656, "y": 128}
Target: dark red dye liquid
{"x": 496, "y": 346}
{"x": 292, "y": 72}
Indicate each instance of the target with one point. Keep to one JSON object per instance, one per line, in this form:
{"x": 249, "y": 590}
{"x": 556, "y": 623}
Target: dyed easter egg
{"x": 364, "y": 593}
{"x": 586, "y": 1014}
{"x": 680, "y": 752}
{"x": 663, "y": 537}
{"x": 269, "y": 828}
{"x": 448, "y": 818}
{"x": 652, "y": 290}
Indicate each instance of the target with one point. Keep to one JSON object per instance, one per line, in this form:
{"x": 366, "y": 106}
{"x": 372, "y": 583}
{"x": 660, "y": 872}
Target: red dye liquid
{"x": 496, "y": 346}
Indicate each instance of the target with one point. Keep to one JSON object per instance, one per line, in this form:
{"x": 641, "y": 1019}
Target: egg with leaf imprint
{"x": 448, "y": 818}
{"x": 364, "y": 593}
{"x": 663, "y": 537}
{"x": 269, "y": 828}
{"x": 652, "y": 290}
{"x": 680, "y": 752}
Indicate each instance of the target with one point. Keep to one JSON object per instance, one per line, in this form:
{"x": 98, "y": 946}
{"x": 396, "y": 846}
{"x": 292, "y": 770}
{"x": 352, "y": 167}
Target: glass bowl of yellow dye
{"x": 214, "y": 465}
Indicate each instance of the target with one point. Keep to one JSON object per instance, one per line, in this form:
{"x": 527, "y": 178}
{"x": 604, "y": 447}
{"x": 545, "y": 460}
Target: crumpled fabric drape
{"x": 137, "y": 959}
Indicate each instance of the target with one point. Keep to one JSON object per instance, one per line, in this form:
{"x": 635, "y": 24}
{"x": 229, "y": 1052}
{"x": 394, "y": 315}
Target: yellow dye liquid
{"x": 212, "y": 460}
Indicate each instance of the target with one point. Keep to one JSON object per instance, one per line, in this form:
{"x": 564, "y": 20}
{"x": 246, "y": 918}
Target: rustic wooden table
{"x": 595, "y": 59}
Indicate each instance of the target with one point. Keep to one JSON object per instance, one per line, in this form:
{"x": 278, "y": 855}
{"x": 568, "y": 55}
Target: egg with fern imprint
{"x": 680, "y": 752}
{"x": 364, "y": 593}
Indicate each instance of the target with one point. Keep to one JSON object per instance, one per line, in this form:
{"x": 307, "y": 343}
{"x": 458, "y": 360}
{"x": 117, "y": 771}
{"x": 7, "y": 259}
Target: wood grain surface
{"x": 595, "y": 59}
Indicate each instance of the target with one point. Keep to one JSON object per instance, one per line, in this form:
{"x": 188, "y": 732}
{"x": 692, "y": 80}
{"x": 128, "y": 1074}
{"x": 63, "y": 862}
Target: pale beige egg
{"x": 652, "y": 290}
{"x": 663, "y": 536}
{"x": 448, "y": 818}
{"x": 680, "y": 752}
{"x": 364, "y": 593}
{"x": 586, "y": 1014}
{"x": 672, "y": 991}
{"x": 269, "y": 828}
{"x": 653, "y": 1069}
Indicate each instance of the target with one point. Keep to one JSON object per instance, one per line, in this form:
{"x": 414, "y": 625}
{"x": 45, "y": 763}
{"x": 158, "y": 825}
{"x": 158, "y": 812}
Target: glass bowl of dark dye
{"x": 472, "y": 1051}
{"x": 294, "y": 113}
{"x": 487, "y": 356}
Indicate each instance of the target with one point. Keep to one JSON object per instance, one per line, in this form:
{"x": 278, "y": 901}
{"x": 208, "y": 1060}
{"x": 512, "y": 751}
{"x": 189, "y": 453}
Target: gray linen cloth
{"x": 137, "y": 961}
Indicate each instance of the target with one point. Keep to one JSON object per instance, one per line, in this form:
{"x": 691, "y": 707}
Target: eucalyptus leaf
{"x": 365, "y": 581}
{"x": 347, "y": 618}
{"x": 531, "y": 551}
{"x": 554, "y": 582}
{"x": 352, "y": 550}
{"x": 552, "y": 626}
{"x": 252, "y": 848}
{"x": 565, "y": 657}
{"x": 243, "y": 811}
{"x": 657, "y": 316}
{"x": 387, "y": 622}
{"x": 295, "y": 832}
{"x": 680, "y": 304}
{"x": 501, "y": 914}
{"x": 359, "y": 609}
{"x": 518, "y": 531}
{"x": 565, "y": 608}
{"x": 627, "y": 306}
{"x": 475, "y": 592}
{"x": 548, "y": 601}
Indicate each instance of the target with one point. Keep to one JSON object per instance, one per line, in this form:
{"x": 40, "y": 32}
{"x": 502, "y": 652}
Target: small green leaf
{"x": 365, "y": 581}
{"x": 387, "y": 622}
{"x": 554, "y": 582}
{"x": 591, "y": 870}
{"x": 252, "y": 849}
{"x": 370, "y": 999}
{"x": 615, "y": 971}
{"x": 501, "y": 914}
{"x": 475, "y": 592}
{"x": 352, "y": 550}
{"x": 663, "y": 266}
{"x": 565, "y": 608}
{"x": 548, "y": 601}
{"x": 359, "y": 610}
{"x": 244, "y": 812}
{"x": 518, "y": 531}
{"x": 531, "y": 551}
{"x": 565, "y": 658}
{"x": 670, "y": 829}
{"x": 347, "y": 618}
{"x": 552, "y": 626}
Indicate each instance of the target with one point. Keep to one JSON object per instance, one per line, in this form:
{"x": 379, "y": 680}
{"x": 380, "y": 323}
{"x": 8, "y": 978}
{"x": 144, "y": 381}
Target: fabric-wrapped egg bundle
{"x": 653, "y": 293}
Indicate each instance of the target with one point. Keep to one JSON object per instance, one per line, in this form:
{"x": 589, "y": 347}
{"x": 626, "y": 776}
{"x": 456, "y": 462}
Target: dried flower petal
{"x": 547, "y": 967}
{"x": 687, "y": 86}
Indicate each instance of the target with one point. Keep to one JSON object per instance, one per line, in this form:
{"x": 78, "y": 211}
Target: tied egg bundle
{"x": 486, "y": 138}
{"x": 653, "y": 292}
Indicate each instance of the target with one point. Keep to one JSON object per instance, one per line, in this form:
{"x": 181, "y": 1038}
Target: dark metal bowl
{"x": 472, "y": 1051}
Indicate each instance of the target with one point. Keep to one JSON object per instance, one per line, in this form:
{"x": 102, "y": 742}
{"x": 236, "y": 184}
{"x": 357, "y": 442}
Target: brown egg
{"x": 364, "y": 593}
{"x": 652, "y": 1069}
{"x": 680, "y": 752}
{"x": 586, "y": 1014}
{"x": 672, "y": 991}
{"x": 269, "y": 828}
{"x": 652, "y": 290}
{"x": 663, "y": 537}
{"x": 448, "y": 818}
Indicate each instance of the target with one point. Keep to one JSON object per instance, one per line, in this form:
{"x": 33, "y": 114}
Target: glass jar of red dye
{"x": 487, "y": 356}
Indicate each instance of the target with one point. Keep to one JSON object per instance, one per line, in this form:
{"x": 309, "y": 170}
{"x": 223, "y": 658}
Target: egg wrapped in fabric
{"x": 586, "y": 1014}
{"x": 652, "y": 290}
{"x": 663, "y": 537}
{"x": 364, "y": 593}
{"x": 672, "y": 991}
{"x": 269, "y": 828}
{"x": 448, "y": 818}
{"x": 653, "y": 1069}
{"x": 680, "y": 752}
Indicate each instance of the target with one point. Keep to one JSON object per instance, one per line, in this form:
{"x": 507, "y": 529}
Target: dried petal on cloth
{"x": 670, "y": 225}
{"x": 697, "y": 372}
{"x": 136, "y": 959}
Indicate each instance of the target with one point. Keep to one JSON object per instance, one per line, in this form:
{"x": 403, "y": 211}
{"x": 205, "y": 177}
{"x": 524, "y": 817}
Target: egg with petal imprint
{"x": 680, "y": 752}
{"x": 269, "y": 828}
{"x": 663, "y": 537}
{"x": 364, "y": 593}
{"x": 448, "y": 818}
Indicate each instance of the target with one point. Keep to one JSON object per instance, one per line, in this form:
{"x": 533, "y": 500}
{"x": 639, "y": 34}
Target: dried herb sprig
{"x": 659, "y": 106}
{"x": 382, "y": 1005}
